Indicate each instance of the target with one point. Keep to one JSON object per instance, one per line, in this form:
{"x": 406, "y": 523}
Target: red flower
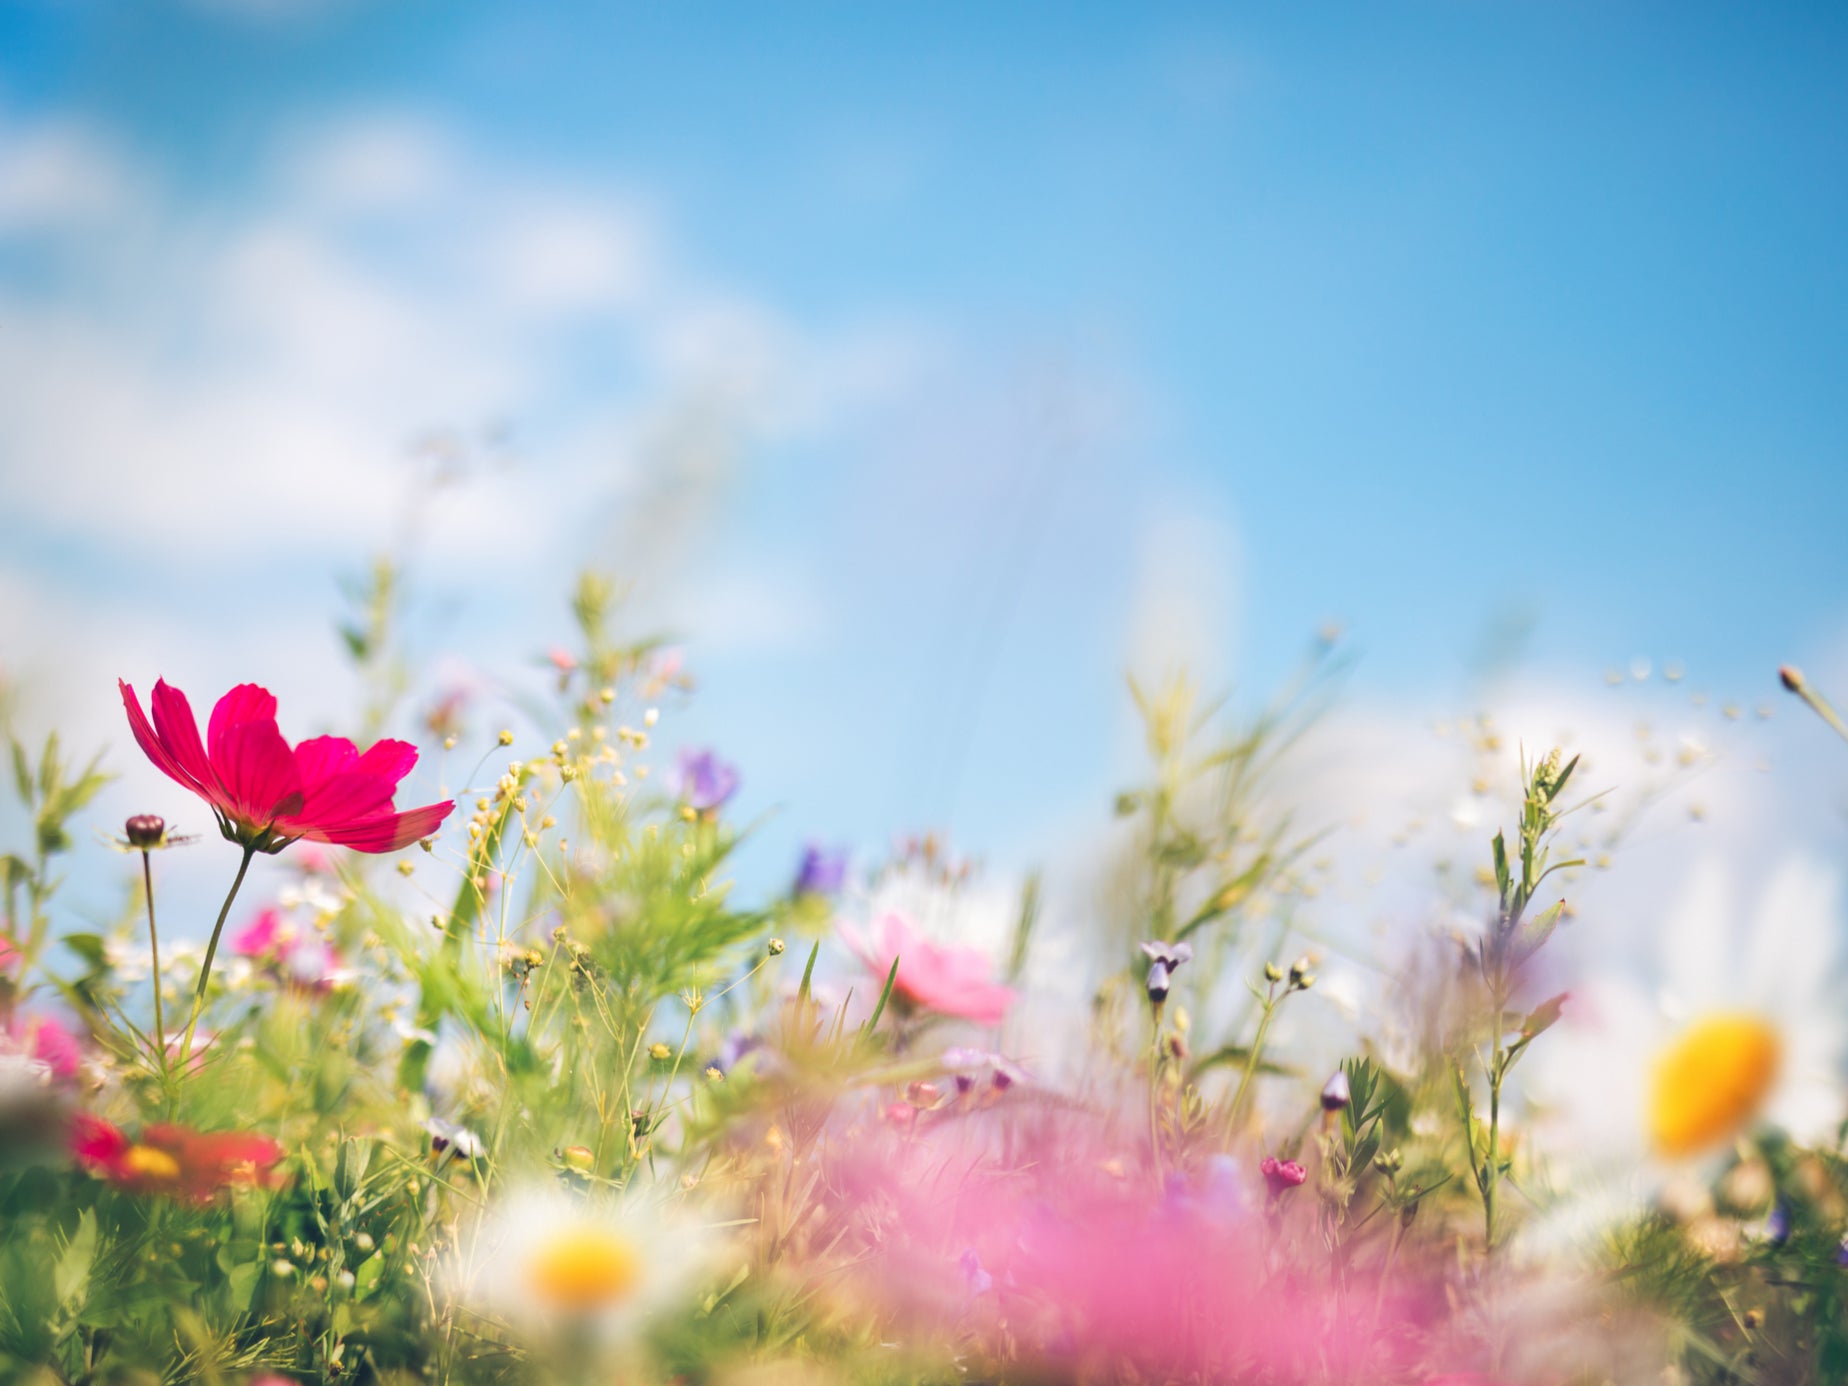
{"x": 173, "y": 1160}
{"x": 267, "y": 795}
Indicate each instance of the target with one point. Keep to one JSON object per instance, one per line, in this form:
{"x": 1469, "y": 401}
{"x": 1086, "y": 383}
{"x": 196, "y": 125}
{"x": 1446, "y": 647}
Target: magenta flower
{"x": 47, "y": 1042}
{"x": 956, "y": 982}
{"x": 1281, "y": 1175}
{"x": 267, "y": 795}
{"x": 261, "y": 937}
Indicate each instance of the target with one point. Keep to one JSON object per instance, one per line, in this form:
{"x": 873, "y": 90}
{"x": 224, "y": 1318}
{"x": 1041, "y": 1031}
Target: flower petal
{"x": 179, "y": 733}
{"x": 258, "y": 772}
{"x": 153, "y": 747}
{"x": 384, "y": 832}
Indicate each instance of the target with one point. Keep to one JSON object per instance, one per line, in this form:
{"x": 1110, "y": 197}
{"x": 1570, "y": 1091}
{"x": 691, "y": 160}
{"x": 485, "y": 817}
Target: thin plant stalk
{"x": 147, "y": 882}
{"x": 211, "y": 951}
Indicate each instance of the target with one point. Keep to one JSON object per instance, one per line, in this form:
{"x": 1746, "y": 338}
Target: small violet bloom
{"x": 822, "y": 872}
{"x": 1164, "y": 958}
{"x": 1281, "y": 1175}
{"x": 703, "y": 781}
{"x": 268, "y": 794}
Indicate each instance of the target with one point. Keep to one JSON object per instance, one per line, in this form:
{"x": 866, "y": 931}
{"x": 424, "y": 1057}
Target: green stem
{"x": 1492, "y": 1164}
{"x": 1820, "y": 705}
{"x": 1155, "y": 1098}
{"x": 211, "y": 951}
{"x": 1251, "y": 1065}
{"x": 160, "y": 1029}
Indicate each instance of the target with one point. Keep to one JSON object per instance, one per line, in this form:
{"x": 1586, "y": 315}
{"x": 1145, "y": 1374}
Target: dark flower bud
{"x": 1791, "y": 677}
{"x": 1159, "y": 981}
{"x": 1335, "y": 1092}
{"x": 146, "y": 830}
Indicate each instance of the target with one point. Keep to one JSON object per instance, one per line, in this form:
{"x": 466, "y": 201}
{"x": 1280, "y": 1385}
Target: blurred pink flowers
{"x": 45, "y": 1041}
{"x": 302, "y": 961}
{"x": 956, "y": 982}
{"x": 1048, "y": 1254}
{"x": 267, "y": 795}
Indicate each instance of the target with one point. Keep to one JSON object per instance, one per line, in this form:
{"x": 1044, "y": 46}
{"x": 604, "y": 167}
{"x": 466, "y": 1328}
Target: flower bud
{"x": 1336, "y": 1093}
{"x": 1281, "y": 1175}
{"x": 1791, "y": 677}
{"x": 579, "y": 1158}
{"x": 1272, "y": 973}
{"x": 146, "y": 830}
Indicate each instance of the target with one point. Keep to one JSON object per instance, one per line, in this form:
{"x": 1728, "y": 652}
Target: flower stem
{"x": 1251, "y": 1064}
{"x": 160, "y": 1029}
{"x": 211, "y": 951}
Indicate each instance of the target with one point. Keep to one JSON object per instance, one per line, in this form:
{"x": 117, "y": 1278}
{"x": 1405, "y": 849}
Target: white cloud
{"x": 218, "y": 382}
{"x": 57, "y": 176}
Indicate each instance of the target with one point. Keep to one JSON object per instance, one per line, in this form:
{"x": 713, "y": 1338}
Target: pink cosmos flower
{"x": 259, "y": 938}
{"x": 304, "y": 962}
{"x": 955, "y": 982}
{"x": 49, "y": 1043}
{"x": 267, "y": 795}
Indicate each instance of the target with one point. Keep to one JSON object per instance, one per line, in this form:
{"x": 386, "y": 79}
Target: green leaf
{"x": 808, "y": 972}
{"x": 70, "y": 1277}
{"x": 22, "y": 772}
{"x": 1543, "y": 1017}
{"x": 1500, "y": 846}
{"x": 89, "y": 947}
{"x": 884, "y": 996}
{"x": 49, "y": 772}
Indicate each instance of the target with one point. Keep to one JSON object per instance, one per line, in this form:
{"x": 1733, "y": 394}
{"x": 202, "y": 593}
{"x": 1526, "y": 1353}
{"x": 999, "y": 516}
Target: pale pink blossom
{"x": 943, "y": 980}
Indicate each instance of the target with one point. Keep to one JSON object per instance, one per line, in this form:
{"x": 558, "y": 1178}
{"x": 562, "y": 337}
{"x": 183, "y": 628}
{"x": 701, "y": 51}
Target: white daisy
{"x": 546, "y": 1260}
{"x": 1634, "y": 1083}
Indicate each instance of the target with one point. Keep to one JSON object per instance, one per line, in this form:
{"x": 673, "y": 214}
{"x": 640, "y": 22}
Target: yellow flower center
{"x": 1711, "y": 1081}
{"x": 585, "y": 1268}
{"x": 150, "y": 1163}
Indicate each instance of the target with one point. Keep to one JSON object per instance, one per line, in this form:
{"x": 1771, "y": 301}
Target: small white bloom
{"x": 546, "y": 1259}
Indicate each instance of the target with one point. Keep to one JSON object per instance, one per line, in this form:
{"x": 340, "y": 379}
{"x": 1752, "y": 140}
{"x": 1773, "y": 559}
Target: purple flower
{"x": 823, "y": 870}
{"x": 1163, "y": 959}
{"x": 703, "y": 781}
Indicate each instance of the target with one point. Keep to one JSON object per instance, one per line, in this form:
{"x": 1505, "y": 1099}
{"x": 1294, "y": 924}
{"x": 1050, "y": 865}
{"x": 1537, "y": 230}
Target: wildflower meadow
{"x": 954, "y": 694}
{"x": 515, "y": 1086}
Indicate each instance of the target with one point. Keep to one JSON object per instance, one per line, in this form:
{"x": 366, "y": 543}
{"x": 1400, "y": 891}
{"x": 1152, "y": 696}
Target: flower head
{"x": 704, "y": 781}
{"x": 1164, "y": 958}
{"x": 267, "y": 795}
{"x": 1336, "y": 1092}
{"x": 955, "y": 982}
{"x": 822, "y": 871}
{"x": 174, "y": 1160}
{"x": 554, "y": 1261}
{"x": 1281, "y": 1175}
{"x": 44, "y": 1041}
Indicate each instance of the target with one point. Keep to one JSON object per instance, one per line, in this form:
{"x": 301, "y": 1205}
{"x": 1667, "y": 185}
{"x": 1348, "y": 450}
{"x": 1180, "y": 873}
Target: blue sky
{"x": 1117, "y": 331}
